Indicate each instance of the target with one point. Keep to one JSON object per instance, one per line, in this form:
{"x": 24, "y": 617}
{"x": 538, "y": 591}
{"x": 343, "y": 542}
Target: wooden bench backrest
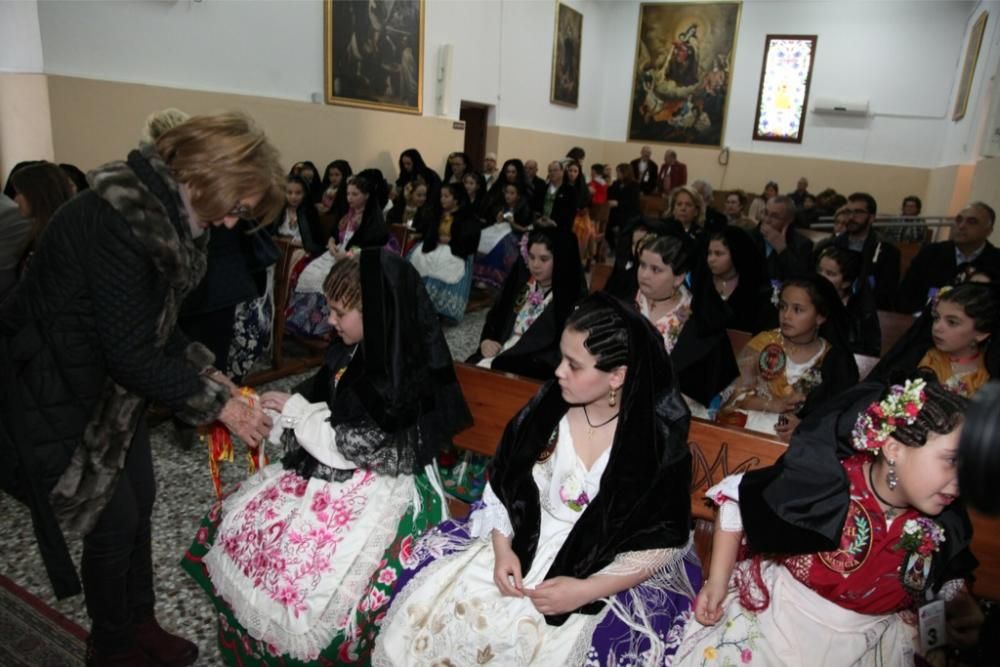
{"x": 893, "y": 326}
{"x": 717, "y": 450}
{"x": 599, "y": 274}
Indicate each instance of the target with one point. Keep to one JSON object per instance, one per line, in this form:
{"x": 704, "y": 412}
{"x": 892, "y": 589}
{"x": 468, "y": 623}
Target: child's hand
{"x": 708, "y": 604}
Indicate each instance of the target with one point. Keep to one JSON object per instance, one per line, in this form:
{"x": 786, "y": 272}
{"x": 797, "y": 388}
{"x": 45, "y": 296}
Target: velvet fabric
{"x": 799, "y": 505}
{"x": 401, "y": 376}
{"x": 643, "y": 502}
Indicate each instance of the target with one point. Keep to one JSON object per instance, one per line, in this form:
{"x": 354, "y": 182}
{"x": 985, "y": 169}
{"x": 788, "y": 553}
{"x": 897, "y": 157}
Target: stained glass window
{"x": 784, "y": 88}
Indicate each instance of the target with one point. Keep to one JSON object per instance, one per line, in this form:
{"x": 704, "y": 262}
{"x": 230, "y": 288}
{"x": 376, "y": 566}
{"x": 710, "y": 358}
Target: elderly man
{"x": 490, "y": 171}
{"x": 800, "y": 193}
{"x": 645, "y": 171}
{"x": 788, "y": 253}
{"x": 879, "y": 258}
{"x": 536, "y": 184}
{"x": 715, "y": 219}
{"x": 937, "y": 264}
{"x": 672, "y": 173}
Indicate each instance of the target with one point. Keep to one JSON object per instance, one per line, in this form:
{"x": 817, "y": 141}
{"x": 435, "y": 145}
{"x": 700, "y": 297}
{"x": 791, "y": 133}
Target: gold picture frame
{"x": 683, "y": 100}
{"x": 370, "y": 58}
{"x": 969, "y": 66}
{"x": 567, "y": 45}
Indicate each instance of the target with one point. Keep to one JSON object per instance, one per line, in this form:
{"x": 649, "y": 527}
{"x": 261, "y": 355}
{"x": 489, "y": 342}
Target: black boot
{"x": 163, "y": 648}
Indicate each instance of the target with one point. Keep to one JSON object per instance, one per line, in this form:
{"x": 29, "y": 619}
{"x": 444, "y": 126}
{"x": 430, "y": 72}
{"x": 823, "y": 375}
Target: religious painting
{"x": 784, "y": 88}
{"x": 969, "y": 66}
{"x": 374, "y": 54}
{"x": 566, "y": 48}
{"x": 683, "y": 72}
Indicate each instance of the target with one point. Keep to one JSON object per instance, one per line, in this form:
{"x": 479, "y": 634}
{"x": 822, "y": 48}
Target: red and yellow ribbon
{"x": 220, "y": 445}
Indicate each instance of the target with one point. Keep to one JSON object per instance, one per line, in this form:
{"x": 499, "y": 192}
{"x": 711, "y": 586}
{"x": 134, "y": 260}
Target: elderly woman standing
{"x": 89, "y": 337}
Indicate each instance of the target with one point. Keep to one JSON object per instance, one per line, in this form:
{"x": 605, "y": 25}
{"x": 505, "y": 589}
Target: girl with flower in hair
{"x": 522, "y": 329}
{"x": 823, "y": 558}
{"x": 300, "y": 559}
{"x": 786, "y": 372}
{"x": 580, "y": 552}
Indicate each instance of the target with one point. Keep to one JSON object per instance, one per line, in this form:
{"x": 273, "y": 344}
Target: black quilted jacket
{"x": 86, "y": 311}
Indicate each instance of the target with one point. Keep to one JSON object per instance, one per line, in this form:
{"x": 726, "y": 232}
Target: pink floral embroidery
{"x": 286, "y": 559}
{"x": 387, "y": 576}
{"x": 202, "y": 535}
{"x": 376, "y": 599}
{"x": 406, "y": 552}
{"x": 746, "y": 656}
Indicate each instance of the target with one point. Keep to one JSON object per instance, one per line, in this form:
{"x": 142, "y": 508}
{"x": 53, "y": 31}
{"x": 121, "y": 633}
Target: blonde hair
{"x": 159, "y": 122}
{"x": 222, "y": 159}
{"x": 699, "y": 203}
{"x": 343, "y": 283}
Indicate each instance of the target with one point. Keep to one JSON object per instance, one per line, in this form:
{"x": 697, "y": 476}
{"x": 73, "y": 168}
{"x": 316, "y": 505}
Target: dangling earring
{"x": 890, "y": 478}
{"x": 613, "y": 397}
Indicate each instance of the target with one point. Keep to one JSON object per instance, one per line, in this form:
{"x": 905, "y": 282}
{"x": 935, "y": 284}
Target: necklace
{"x": 891, "y": 512}
{"x": 593, "y": 426}
{"x": 795, "y": 347}
{"x": 958, "y": 361}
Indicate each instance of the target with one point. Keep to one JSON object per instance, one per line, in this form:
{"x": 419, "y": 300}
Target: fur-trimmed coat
{"x": 88, "y": 338}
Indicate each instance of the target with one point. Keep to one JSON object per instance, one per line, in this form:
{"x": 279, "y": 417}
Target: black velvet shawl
{"x": 799, "y": 505}
{"x": 644, "y": 500}
{"x": 536, "y": 354}
{"x": 401, "y": 376}
{"x": 465, "y": 231}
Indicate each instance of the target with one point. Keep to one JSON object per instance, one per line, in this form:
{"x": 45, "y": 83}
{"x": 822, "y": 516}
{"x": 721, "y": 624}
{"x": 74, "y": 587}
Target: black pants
{"x": 117, "y": 566}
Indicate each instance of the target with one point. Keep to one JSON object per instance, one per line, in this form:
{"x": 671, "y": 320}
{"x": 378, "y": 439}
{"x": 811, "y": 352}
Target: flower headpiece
{"x": 880, "y": 419}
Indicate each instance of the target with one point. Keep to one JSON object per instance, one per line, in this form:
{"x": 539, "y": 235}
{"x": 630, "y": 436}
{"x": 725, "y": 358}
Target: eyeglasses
{"x": 241, "y": 211}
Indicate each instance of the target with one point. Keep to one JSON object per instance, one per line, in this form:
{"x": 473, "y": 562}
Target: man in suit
{"x": 645, "y": 171}
{"x": 937, "y": 264}
{"x": 800, "y": 193}
{"x": 536, "y": 184}
{"x": 672, "y": 173}
{"x": 879, "y": 258}
{"x": 15, "y": 232}
{"x": 715, "y": 219}
{"x": 788, "y": 253}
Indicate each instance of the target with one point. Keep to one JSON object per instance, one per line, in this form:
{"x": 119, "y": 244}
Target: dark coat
{"x": 879, "y": 265}
{"x": 795, "y": 261}
{"x": 934, "y": 267}
{"x": 627, "y": 196}
{"x": 564, "y": 207}
{"x": 465, "y": 231}
{"x": 647, "y": 181}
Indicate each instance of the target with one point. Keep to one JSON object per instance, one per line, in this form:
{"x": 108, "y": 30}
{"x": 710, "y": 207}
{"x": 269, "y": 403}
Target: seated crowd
{"x": 580, "y": 550}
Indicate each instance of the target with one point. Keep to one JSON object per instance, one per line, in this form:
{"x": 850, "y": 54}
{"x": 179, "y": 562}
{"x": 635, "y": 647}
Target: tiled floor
{"x": 184, "y": 492}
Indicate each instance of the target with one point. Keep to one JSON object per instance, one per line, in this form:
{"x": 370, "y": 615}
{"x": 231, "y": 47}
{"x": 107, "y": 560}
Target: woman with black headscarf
{"x": 737, "y": 270}
{"x": 587, "y": 499}
{"x": 411, "y": 166}
{"x": 333, "y": 186}
{"x": 289, "y": 556}
{"x": 522, "y": 329}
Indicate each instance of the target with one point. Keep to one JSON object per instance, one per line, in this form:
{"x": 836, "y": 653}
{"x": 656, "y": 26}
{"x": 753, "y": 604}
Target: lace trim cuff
{"x": 491, "y": 516}
{"x": 726, "y": 494}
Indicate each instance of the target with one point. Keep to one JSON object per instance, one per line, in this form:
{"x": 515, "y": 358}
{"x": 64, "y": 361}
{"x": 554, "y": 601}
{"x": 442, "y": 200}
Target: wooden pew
{"x": 893, "y": 326}
{"x": 716, "y": 450}
{"x": 599, "y": 274}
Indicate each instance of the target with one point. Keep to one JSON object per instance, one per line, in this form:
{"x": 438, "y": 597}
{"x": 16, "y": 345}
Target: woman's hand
{"x": 335, "y": 250}
{"x": 786, "y": 425}
{"x": 559, "y": 595}
{"x": 274, "y": 400}
{"x": 490, "y": 348}
{"x": 506, "y": 568}
{"x": 708, "y": 605}
{"x": 248, "y": 422}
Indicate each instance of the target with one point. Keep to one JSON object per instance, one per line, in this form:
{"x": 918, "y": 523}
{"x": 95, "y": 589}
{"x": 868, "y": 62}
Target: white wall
{"x": 902, "y": 56}
{"x": 20, "y": 37}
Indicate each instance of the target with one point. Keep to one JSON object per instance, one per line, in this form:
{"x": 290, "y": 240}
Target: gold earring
{"x": 613, "y": 397}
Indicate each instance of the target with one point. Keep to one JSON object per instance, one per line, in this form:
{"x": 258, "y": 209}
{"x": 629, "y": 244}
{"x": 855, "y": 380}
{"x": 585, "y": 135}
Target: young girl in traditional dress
{"x": 444, "y": 258}
{"x": 500, "y": 242}
{"x": 299, "y": 560}
{"x": 842, "y": 267}
{"x": 691, "y": 317}
{"x": 952, "y": 338}
{"x": 844, "y": 543}
{"x": 580, "y": 551}
{"x": 785, "y": 373}
{"x": 522, "y": 330}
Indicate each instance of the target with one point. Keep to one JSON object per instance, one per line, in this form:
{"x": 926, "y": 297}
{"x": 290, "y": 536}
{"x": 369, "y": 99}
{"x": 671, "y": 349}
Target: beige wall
{"x": 25, "y": 128}
{"x": 97, "y": 121}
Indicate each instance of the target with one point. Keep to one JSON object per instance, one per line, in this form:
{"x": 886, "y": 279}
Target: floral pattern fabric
{"x": 671, "y": 324}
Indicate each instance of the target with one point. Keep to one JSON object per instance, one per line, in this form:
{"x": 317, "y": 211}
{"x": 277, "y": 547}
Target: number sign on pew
{"x": 716, "y": 450}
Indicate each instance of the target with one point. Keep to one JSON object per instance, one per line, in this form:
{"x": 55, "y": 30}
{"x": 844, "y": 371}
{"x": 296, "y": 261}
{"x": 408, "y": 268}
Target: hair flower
{"x": 878, "y": 422}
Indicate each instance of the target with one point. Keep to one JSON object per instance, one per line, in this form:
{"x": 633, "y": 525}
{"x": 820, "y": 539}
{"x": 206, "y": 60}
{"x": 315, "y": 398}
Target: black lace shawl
{"x": 398, "y": 403}
{"x": 644, "y": 500}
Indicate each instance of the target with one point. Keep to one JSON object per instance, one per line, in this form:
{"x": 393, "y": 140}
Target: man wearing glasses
{"x": 937, "y": 264}
{"x": 787, "y": 253}
{"x": 879, "y": 258}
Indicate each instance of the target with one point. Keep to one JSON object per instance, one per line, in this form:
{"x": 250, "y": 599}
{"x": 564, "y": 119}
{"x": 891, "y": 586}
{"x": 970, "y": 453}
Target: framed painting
{"x": 969, "y": 66}
{"x": 785, "y": 76}
{"x": 683, "y": 72}
{"x": 567, "y": 44}
{"x": 374, "y": 53}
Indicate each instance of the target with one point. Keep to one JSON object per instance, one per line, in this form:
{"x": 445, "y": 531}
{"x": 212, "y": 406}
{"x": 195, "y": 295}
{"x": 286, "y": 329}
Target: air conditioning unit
{"x": 835, "y": 107}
